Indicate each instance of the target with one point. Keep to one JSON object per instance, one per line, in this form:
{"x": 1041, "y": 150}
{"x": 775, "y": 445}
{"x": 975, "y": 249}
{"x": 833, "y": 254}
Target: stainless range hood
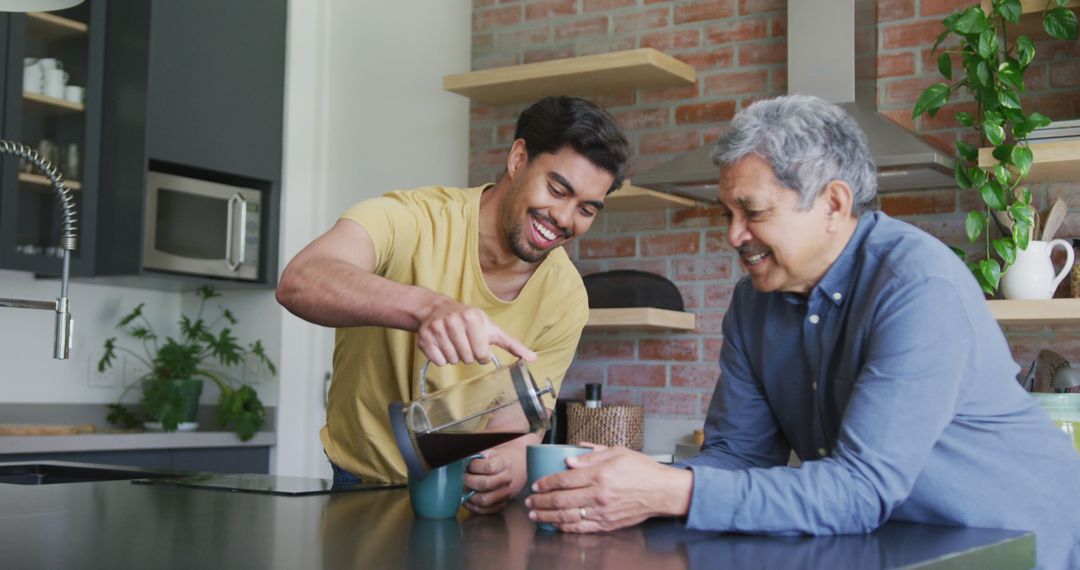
{"x": 832, "y": 53}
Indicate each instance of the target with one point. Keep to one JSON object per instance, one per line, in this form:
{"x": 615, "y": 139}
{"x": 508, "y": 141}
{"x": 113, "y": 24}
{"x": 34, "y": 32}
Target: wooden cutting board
{"x": 45, "y": 429}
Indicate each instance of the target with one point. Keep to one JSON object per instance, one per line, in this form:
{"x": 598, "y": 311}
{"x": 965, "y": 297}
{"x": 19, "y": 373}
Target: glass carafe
{"x": 469, "y": 416}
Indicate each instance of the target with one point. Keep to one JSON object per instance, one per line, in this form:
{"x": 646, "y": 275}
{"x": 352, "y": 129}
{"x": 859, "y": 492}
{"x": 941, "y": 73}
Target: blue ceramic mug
{"x": 544, "y": 460}
{"x": 439, "y": 494}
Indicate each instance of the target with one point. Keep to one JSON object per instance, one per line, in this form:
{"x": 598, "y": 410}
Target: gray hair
{"x": 809, "y": 142}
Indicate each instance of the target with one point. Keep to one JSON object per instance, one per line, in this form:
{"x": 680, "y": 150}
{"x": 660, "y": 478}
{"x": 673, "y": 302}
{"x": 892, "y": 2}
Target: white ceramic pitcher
{"x": 1032, "y": 276}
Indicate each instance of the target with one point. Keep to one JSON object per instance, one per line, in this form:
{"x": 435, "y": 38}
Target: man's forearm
{"x": 335, "y": 293}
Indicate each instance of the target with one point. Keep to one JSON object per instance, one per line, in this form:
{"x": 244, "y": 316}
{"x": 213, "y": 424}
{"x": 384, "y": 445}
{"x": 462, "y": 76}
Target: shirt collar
{"x": 835, "y": 283}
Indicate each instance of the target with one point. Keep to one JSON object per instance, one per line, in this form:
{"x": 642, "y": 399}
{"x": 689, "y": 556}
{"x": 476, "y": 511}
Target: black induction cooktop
{"x": 261, "y": 484}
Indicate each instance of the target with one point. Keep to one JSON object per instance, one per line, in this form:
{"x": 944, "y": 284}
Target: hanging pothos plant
{"x": 993, "y": 64}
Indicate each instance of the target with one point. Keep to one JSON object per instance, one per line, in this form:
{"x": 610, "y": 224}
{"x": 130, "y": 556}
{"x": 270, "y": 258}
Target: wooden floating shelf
{"x": 585, "y": 75}
{"x": 1055, "y": 161}
{"x": 53, "y": 27}
{"x": 1031, "y": 20}
{"x": 640, "y": 318}
{"x": 50, "y": 104}
{"x": 630, "y": 198}
{"x": 40, "y": 180}
{"x": 1036, "y": 312}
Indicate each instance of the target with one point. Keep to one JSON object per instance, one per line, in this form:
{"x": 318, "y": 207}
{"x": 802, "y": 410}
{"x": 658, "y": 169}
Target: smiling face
{"x": 782, "y": 247}
{"x": 552, "y": 199}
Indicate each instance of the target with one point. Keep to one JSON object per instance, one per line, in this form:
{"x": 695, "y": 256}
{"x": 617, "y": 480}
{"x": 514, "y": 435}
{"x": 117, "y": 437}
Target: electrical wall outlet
{"x": 253, "y": 371}
{"x": 111, "y": 378}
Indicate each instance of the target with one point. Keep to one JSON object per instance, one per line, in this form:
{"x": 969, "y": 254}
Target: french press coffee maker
{"x": 467, "y": 417}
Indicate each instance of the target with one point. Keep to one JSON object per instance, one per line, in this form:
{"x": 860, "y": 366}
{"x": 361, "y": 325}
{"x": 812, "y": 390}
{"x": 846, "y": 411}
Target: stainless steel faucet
{"x": 68, "y": 242}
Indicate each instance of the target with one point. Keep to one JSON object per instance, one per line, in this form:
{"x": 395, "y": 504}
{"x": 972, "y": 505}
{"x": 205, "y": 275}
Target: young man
{"x": 445, "y": 274}
{"x": 860, "y": 343}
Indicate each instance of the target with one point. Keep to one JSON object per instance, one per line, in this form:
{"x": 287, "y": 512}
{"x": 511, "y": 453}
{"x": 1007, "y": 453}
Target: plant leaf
{"x": 982, "y": 74}
{"x": 120, "y": 415}
{"x": 974, "y": 223}
{"x": 1021, "y": 234}
{"x": 134, "y": 314}
{"x": 1010, "y": 73}
{"x": 993, "y": 194}
{"x": 965, "y": 118}
{"x": 1060, "y": 23}
{"x": 990, "y": 272}
{"x": 931, "y": 100}
{"x": 1039, "y": 120}
{"x": 977, "y": 176}
{"x": 1006, "y": 250}
{"x": 1010, "y": 10}
{"x": 1003, "y": 152}
{"x": 971, "y": 21}
{"x": 206, "y": 292}
{"x": 1002, "y": 175}
{"x": 959, "y": 252}
{"x": 1008, "y": 99}
{"x": 110, "y": 353}
{"x": 1025, "y": 51}
{"x": 988, "y": 44}
{"x": 944, "y": 65}
{"x": 960, "y": 175}
{"x": 1021, "y": 158}
{"x": 1024, "y": 198}
{"x": 994, "y": 132}
{"x": 967, "y": 151}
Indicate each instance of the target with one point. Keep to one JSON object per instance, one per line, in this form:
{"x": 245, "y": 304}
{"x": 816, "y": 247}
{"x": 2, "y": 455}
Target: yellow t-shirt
{"x": 429, "y": 237}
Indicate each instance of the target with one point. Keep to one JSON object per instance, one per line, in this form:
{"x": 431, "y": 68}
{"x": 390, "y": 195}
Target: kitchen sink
{"x": 56, "y": 472}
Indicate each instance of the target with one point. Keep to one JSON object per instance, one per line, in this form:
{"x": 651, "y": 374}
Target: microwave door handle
{"x": 232, "y": 229}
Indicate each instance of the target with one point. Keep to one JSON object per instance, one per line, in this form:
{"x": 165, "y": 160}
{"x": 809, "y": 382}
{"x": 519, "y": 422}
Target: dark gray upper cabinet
{"x": 194, "y": 88}
{"x": 216, "y": 89}
{"x": 30, "y": 219}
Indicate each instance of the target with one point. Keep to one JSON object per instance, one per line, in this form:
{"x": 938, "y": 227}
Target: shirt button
{"x": 821, "y": 451}
{"x": 837, "y": 296}
{"x": 814, "y": 319}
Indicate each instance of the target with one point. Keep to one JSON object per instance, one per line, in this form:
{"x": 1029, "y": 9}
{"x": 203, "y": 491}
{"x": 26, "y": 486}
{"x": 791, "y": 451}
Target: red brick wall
{"x": 738, "y": 48}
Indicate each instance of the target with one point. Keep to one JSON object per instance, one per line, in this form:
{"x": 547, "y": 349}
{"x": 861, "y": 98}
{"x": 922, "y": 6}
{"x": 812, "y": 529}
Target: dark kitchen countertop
{"x": 118, "y": 524}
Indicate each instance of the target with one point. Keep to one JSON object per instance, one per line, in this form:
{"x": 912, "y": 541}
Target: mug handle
{"x": 1068, "y": 262}
{"x": 469, "y": 494}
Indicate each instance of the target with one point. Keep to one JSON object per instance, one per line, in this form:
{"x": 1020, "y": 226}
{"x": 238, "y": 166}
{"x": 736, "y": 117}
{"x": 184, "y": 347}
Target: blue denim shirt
{"x": 894, "y": 384}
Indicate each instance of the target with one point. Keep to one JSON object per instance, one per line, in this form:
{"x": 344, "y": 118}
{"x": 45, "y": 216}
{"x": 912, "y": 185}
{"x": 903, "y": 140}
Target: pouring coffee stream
{"x": 468, "y": 416}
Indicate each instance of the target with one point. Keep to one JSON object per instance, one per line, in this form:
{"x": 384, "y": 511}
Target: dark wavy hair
{"x": 555, "y": 122}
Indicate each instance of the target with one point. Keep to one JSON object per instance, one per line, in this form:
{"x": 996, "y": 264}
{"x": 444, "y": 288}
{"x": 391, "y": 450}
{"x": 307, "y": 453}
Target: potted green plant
{"x": 177, "y": 367}
{"x": 993, "y": 63}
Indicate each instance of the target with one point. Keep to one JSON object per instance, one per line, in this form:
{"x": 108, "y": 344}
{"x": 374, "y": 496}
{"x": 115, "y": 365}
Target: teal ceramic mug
{"x": 439, "y": 494}
{"x": 544, "y": 460}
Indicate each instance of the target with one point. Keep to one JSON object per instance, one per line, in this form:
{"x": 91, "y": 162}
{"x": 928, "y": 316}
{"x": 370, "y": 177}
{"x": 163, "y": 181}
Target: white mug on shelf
{"x": 75, "y": 93}
{"x": 48, "y": 63}
{"x": 55, "y": 82}
{"x": 33, "y": 80}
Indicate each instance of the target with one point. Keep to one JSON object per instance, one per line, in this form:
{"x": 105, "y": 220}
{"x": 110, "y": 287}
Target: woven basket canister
{"x": 609, "y": 425}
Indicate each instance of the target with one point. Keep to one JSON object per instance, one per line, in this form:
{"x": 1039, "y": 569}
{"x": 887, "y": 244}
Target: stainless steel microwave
{"x": 201, "y": 227}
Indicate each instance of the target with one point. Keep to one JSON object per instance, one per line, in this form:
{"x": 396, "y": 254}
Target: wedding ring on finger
{"x": 583, "y": 513}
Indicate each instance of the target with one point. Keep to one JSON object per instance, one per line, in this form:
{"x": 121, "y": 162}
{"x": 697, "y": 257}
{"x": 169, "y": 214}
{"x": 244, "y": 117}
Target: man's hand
{"x": 608, "y": 489}
{"x": 492, "y": 478}
{"x": 453, "y": 332}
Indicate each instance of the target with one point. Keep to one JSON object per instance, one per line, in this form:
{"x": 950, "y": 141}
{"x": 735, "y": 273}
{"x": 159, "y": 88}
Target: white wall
{"x": 365, "y": 114}
{"x": 30, "y": 374}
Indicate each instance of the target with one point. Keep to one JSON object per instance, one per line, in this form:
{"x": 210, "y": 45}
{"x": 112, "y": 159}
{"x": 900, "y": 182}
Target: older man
{"x": 858, "y": 342}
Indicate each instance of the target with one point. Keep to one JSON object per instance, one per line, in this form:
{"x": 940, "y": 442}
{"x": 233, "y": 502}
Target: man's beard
{"x": 521, "y": 248}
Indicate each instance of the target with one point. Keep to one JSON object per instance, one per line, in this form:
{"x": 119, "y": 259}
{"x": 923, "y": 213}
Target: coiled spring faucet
{"x": 68, "y": 241}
